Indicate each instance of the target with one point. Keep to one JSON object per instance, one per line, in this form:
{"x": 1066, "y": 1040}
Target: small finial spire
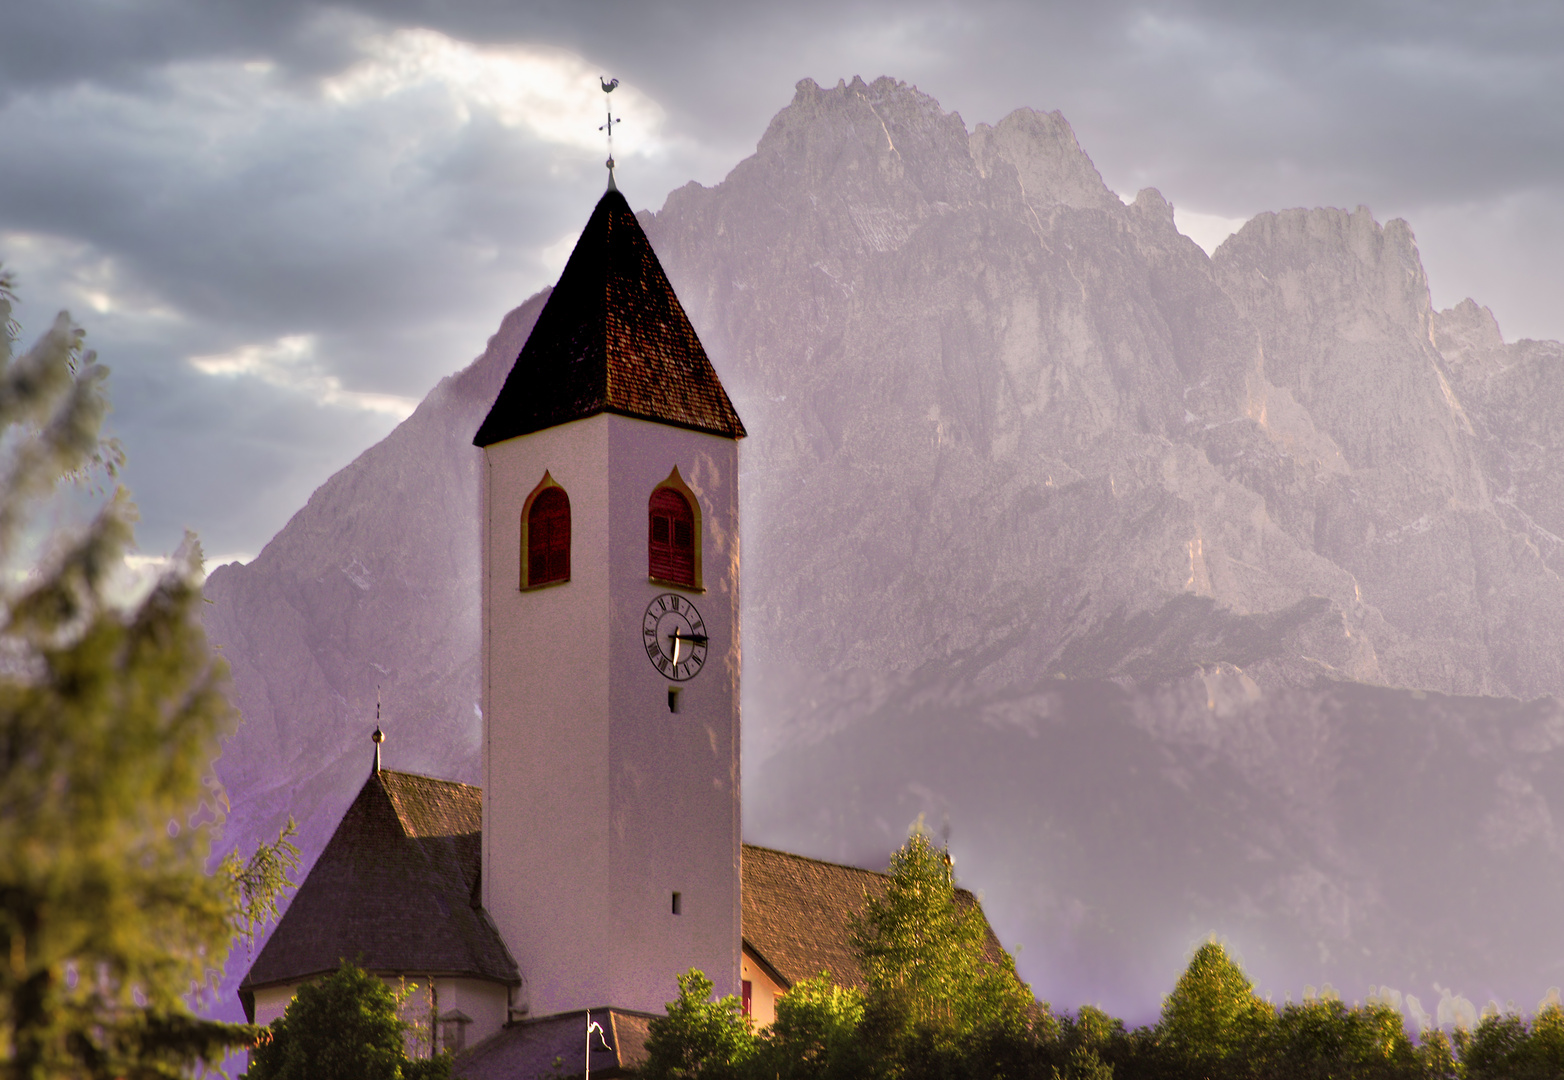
{"x": 608, "y": 88}
{"x": 379, "y": 736}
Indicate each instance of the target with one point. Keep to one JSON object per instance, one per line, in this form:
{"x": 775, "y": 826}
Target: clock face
{"x": 674, "y": 637}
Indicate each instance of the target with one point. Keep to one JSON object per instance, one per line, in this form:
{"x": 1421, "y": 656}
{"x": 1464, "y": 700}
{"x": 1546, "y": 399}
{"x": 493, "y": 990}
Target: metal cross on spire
{"x": 608, "y": 88}
{"x": 379, "y": 736}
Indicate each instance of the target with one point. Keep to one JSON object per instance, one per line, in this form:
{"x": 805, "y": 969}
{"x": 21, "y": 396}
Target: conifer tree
{"x": 1212, "y": 1022}
{"x": 110, "y": 716}
{"x": 924, "y": 951}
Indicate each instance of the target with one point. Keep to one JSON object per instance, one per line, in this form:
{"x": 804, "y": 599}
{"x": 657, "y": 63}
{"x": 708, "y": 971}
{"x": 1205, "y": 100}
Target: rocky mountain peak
{"x": 1150, "y": 206}
{"x": 1187, "y": 545}
{"x": 1468, "y": 337}
{"x": 1342, "y": 307}
{"x": 1050, "y": 164}
{"x": 884, "y": 148}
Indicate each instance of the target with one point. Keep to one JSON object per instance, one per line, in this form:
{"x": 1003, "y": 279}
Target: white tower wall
{"x": 599, "y": 803}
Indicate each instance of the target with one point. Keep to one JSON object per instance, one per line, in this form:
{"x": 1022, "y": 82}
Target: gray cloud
{"x": 347, "y": 250}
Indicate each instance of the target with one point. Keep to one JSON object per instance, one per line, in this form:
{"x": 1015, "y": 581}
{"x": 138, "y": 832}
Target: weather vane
{"x": 608, "y": 88}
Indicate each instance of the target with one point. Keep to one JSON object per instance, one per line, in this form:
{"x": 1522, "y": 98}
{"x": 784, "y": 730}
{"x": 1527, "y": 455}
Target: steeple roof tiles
{"x": 612, "y": 337}
{"x": 394, "y": 890}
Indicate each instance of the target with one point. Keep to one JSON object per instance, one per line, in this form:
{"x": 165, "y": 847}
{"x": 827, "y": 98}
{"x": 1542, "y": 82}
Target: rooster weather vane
{"x": 608, "y": 88}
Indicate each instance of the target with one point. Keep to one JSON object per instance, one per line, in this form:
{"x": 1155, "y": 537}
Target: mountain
{"x": 365, "y": 604}
{"x": 1186, "y": 587}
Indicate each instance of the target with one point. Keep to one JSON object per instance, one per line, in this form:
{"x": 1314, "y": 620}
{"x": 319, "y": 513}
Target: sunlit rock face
{"x": 1033, "y": 422}
{"x": 1151, "y": 572}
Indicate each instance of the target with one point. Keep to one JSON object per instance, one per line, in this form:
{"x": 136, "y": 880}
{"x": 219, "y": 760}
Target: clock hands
{"x": 678, "y": 638}
{"x": 674, "y": 637}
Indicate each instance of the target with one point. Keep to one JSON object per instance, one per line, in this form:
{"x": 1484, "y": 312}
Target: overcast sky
{"x": 281, "y": 223}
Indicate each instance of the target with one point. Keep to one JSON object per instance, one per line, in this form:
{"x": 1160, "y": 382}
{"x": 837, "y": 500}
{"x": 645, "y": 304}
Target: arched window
{"x": 547, "y": 555}
{"x": 671, "y": 538}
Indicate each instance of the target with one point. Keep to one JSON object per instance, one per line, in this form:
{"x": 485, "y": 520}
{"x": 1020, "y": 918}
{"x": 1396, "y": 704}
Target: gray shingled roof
{"x": 396, "y": 889}
{"x": 613, "y": 337}
{"x": 528, "y": 1049}
{"x": 798, "y": 913}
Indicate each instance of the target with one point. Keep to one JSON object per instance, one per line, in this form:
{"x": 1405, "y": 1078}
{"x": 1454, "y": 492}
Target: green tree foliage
{"x": 1083, "y": 1064}
{"x": 1212, "y": 1023}
{"x": 701, "y": 1038}
{"x": 924, "y": 953}
{"x": 1547, "y": 1038}
{"x": 1088, "y": 1046}
{"x": 1323, "y": 1038}
{"x": 935, "y": 1007}
{"x": 936, "y": 999}
{"x": 815, "y": 1035}
{"x": 110, "y": 717}
{"x": 1505, "y": 1046}
{"x": 1435, "y": 1057}
{"x": 346, "y": 1026}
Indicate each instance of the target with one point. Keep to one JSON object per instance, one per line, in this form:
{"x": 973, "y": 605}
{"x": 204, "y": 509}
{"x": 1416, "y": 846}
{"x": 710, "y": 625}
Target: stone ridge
{"x": 612, "y": 338}
{"x": 1066, "y": 442}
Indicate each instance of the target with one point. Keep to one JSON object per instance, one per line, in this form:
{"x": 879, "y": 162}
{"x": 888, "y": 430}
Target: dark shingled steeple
{"x": 612, "y": 338}
{"x": 395, "y": 890}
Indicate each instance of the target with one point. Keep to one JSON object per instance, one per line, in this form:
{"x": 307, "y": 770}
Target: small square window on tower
{"x": 677, "y": 903}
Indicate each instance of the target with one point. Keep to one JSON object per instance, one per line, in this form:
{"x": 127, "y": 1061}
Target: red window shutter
{"x": 671, "y": 538}
{"x": 747, "y": 989}
{"x": 548, "y": 537}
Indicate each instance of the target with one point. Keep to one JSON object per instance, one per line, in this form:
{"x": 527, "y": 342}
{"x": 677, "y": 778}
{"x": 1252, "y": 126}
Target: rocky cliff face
{"x": 1035, "y": 400}
{"x": 370, "y": 593}
{"x": 1033, "y": 484}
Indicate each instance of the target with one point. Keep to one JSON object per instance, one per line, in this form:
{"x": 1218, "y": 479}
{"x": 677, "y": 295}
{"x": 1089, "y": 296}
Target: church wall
{"x": 674, "y": 790}
{"x": 599, "y": 802}
{"x": 272, "y": 1001}
{"x": 763, "y": 994}
{"x": 546, "y": 723}
{"x": 485, "y": 1002}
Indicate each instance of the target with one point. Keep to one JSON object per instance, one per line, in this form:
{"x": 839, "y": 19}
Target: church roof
{"x": 539, "y": 1047}
{"x": 612, "y": 337}
{"x": 396, "y": 889}
{"x": 798, "y": 913}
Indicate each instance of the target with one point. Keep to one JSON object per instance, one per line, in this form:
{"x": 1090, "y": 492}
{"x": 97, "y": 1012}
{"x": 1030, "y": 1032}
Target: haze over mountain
{"x": 1196, "y": 594}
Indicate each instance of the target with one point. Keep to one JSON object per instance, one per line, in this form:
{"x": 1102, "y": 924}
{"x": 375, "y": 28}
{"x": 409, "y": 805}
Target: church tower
{"x": 611, "y": 642}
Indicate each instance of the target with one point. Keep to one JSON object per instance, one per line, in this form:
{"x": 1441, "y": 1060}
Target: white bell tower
{"x": 611, "y": 642}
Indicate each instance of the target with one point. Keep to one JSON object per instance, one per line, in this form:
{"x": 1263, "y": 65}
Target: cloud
{"x": 524, "y": 86}
{"x": 290, "y": 363}
{"x": 263, "y": 243}
{"x": 384, "y": 179}
{"x": 86, "y": 278}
